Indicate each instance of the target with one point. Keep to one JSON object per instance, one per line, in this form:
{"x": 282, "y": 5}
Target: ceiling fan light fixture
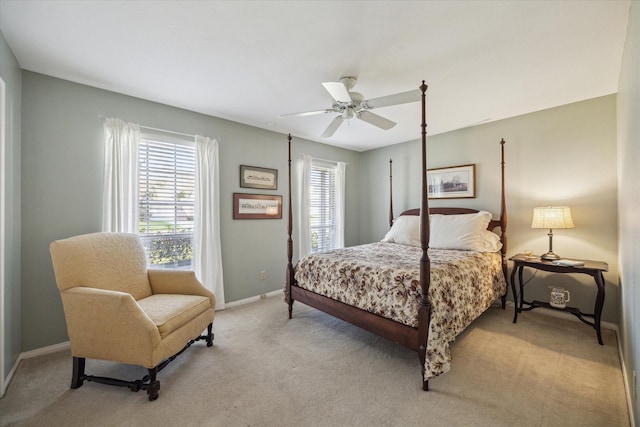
{"x": 349, "y": 113}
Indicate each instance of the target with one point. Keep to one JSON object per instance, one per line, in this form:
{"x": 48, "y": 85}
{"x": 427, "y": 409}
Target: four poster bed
{"x": 381, "y": 287}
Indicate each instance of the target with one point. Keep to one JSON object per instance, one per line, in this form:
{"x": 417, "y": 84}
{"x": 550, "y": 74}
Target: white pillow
{"x": 463, "y": 232}
{"x": 490, "y": 242}
{"x": 405, "y": 231}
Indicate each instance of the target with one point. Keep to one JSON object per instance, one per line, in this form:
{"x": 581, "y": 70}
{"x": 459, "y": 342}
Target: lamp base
{"x": 549, "y": 256}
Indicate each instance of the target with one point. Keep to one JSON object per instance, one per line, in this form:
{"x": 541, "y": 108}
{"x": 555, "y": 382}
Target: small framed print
{"x": 454, "y": 182}
{"x": 256, "y": 177}
{"x": 257, "y": 206}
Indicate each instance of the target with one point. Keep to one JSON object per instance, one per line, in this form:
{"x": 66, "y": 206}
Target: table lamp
{"x": 552, "y": 217}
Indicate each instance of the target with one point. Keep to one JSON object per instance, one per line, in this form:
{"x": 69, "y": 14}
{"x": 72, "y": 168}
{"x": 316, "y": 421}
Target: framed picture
{"x": 256, "y": 206}
{"x": 454, "y": 182}
{"x": 255, "y": 177}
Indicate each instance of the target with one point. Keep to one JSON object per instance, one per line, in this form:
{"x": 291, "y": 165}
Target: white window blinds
{"x": 322, "y": 207}
{"x": 166, "y": 202}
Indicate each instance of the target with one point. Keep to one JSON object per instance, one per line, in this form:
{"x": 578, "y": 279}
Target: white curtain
{"x": 340, "y": 180}
{"x": 303, "y": 207}
{"x": 207, "y": 254}
{"x": 120, "y": 196}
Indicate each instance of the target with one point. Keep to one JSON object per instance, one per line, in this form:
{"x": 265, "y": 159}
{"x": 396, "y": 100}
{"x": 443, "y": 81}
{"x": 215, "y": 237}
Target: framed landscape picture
{"x": 256, "y": 206}
{"x": 454, "y": 182}
{"x": 256, "y": 177}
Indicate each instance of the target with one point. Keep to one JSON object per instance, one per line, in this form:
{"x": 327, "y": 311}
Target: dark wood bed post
{"x": 289, "y": 278}
{"x": 503, "y": 224}
{"x": 424, "y": 311}
{"x": 390, "y": 193}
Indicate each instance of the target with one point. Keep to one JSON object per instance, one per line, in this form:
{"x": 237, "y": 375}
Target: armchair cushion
{"x": 170, "y": 312}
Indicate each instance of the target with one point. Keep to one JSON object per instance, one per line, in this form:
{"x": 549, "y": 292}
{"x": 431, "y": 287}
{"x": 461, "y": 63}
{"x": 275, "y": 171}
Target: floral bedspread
{"x": 384, "y": 278}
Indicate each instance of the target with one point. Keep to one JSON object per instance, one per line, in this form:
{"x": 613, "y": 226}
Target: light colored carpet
{"x": 315, "y": 370}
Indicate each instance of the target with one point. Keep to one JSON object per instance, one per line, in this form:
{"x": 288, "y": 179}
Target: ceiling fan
{"x": 350, "y": 104}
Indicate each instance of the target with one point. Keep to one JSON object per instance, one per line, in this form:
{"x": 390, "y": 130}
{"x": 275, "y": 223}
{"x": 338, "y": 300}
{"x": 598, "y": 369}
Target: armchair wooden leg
{"x": 210, "y": 335}
{"x": 78, "y": 372}
{"x": 153, "y": 387}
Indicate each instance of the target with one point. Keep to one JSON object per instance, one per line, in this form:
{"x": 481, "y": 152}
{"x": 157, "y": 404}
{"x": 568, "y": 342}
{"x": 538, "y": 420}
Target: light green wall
{"x": 62, "y": 160}
{"x": 629, "y": 200}
{"x": 564, "y": 155}
{"x": 61, "y": 186}
{"x": 11, "y": 74}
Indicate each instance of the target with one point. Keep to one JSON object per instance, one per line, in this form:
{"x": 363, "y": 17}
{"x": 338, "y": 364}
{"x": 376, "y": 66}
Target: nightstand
{"x": 591, "y": 268}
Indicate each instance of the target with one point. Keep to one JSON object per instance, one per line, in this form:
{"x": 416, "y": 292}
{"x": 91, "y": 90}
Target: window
{"x": 166, "y": 201}
{"x": 322, "y": 207}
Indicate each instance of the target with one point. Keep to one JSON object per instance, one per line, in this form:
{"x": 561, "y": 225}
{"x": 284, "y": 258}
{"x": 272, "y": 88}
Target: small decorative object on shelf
{"x": 559, "y": 297}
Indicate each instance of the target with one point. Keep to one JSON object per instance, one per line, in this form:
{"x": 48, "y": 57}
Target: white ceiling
{"x": 250, "y": 61}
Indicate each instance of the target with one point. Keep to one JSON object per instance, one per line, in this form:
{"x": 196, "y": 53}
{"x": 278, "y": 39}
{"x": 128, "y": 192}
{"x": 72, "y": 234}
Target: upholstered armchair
{"x": 118, "y": 310}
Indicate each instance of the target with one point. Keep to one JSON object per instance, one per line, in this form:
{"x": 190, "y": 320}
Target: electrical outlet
{"x": 263, "y": 275}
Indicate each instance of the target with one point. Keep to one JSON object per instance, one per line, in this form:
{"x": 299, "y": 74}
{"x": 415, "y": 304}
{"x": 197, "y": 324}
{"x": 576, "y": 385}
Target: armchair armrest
{"x": 178, "y": 282}
{"x": 113, "y": 328}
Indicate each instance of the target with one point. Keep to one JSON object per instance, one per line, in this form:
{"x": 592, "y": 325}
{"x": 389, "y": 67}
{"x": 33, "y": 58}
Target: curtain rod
{"x": 325, "y": 160}
{"x": 167, "y": 131}
{"x": 101, "y": 117}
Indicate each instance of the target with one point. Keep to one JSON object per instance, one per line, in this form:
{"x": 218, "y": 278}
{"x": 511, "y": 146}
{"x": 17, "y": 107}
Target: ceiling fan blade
{"x": 308, "y": 113}
{"x": 338, "y": 91}
{"x": 333, "y": 126}
{"x": 398, "y": 98}
{"x": 376, "y": 120}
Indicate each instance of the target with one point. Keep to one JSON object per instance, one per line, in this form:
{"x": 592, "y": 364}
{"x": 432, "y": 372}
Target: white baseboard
{"x": 33, "y": 353}
{"x": 7, "y": 380}
{"x": 627, "y": 386}
{"x": 253, "y": 299}
{"x": 45, "y": 350}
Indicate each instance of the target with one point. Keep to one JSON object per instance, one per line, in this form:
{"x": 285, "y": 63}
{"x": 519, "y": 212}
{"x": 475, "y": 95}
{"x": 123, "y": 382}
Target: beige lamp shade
{"x": 552, "y": 217}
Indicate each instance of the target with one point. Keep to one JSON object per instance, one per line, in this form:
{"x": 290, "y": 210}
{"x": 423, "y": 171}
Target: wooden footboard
{"x": 386, "y": 328}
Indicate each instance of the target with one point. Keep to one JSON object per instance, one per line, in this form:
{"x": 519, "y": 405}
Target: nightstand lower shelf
{"x": 571, "y": 310}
